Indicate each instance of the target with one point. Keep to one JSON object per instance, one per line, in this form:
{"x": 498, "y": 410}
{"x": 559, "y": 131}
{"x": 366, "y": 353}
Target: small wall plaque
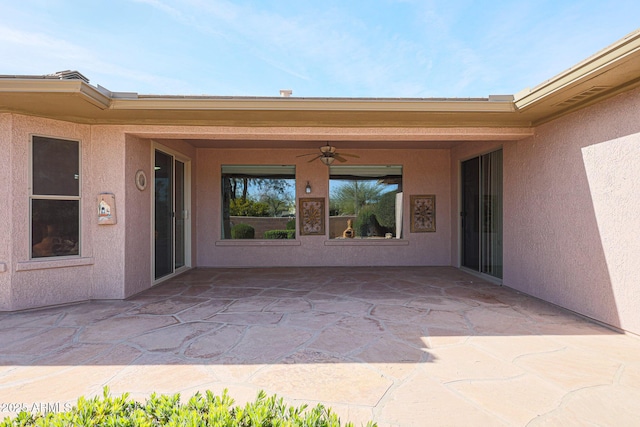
{"x": 141, "y": 180}
{"x": 312, "y": 217}
{"x": 423, "y": 213}
{"x": 106, "y": 209}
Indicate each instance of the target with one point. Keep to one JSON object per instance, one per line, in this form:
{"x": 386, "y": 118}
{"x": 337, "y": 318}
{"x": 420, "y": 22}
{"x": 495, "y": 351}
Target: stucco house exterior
{"x": 538, "y": 191}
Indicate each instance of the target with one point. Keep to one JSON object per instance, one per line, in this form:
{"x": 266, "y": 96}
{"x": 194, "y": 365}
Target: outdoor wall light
{"x": 307, "y": 189}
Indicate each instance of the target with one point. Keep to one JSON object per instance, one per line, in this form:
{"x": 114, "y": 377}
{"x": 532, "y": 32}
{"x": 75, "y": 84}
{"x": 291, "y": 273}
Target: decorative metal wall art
{"x": 423, "y": 213}
{"x": 312, "y": 217}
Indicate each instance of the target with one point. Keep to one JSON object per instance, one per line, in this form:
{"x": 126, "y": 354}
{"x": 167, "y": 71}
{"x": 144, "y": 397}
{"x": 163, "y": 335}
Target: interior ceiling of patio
{"x": 311, "y": 138}
{"x": 314, "y": 145}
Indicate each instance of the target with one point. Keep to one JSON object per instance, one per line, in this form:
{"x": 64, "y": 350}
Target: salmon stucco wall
{"x": 138, "y": 251}
{"x": 571, "y": 214}
{"x": 134, "y": 208}
{"x": 6, "y": 224}
{"x": 108, "y": 156}
{"x": 424, "y": 172}
{"x": 138, "y": 213}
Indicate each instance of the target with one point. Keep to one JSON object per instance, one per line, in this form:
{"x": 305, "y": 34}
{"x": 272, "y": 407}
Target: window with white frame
{"x": 55, "y": 197}
{"x": 365, "y": 202}
{"x": 258, "y": 201}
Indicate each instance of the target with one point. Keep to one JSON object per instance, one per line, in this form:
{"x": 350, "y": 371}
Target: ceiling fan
{"x": 328, "y": 154}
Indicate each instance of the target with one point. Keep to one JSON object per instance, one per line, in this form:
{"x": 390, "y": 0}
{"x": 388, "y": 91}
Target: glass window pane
{"x": 258, "y": 202}
{"x": 55, "y": 228}
{"x": 362, "y": 202}
{"x": 180, "y": 223}
{"x": 163, "y": 214}
{"x": 56, "y": 167}
{"x": 482, "y": 214}
{"x": 471, "y": 213}
{"x": 491, "y": 252}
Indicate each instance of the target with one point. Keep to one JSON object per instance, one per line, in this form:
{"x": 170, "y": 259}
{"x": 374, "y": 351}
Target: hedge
{"x": 163, "y": 410}
{"x": 280, "y": 234}
{"x": 242, "y": 231}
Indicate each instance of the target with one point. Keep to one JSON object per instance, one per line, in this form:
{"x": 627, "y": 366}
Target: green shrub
{"x": 161, "y": 410}
{"x": 248, "y": 207}
{"x": 386, "y": 210}
{"x": 242, "y": 231}
{"x": 291, "y": 224}
{"x": 280, "y": 234}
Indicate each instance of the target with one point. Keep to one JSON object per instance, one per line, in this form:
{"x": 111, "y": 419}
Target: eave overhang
{"x": 312, "y": 104}
{"x": 79, "y": 102}
{"x": 73, "y": 89}
{"x": 611, "y": 71}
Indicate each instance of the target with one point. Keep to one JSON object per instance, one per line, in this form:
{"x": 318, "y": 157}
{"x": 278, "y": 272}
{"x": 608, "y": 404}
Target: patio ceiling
{"x": 312, "y": 137}
{"x": 312, "y": 144}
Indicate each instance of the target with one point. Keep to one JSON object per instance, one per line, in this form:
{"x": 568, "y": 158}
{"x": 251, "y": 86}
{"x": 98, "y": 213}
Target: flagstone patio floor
{"x": 400, "y": 346}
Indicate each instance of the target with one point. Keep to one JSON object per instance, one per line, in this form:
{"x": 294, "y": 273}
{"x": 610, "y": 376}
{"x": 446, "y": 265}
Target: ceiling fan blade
{"x": 338, "y": 158}
{"x": 308, "y": 154}
{"x": 349, "y": 155}
{"x": 316, "y": 157}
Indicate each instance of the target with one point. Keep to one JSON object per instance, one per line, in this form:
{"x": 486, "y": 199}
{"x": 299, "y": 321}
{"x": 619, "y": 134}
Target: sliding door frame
{"x": 186, "y": 213}
{"x": 484, "y": 245}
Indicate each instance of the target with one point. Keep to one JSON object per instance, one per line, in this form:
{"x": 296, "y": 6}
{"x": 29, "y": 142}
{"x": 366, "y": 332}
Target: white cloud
{"x": 21, "y": 47}
{"x": 312, "y": 46}
{"x": 163, "y": 7}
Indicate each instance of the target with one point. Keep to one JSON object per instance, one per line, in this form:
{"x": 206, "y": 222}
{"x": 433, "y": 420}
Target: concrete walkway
{"x": 401, "y": 346}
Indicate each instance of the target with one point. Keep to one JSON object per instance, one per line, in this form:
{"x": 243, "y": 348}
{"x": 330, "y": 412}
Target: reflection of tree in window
{"x": 351, "y": 196}
{"x": 366, "y": 195}
{"x": 259, "y": 196}
{"x": 257, "y": 191}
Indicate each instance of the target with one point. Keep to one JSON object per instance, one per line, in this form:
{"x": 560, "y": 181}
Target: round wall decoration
{"x": 141, "y": 180}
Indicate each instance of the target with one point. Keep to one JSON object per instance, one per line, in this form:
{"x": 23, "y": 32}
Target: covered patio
{"x": 403, "y": 346}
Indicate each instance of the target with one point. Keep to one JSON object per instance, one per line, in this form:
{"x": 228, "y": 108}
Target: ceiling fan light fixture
{"x": 327, "y": 149}
{"x": 328, "y": 155}
{"x": 327, "y": 160}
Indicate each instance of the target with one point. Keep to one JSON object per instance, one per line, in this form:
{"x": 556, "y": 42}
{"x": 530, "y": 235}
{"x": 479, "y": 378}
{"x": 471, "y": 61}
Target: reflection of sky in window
{"x": 254, "y": 190}
{"x": 336, "y": 184}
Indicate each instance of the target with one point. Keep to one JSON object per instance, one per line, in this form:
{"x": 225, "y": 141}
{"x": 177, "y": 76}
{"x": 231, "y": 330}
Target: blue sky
{"x": 347, "y": 48}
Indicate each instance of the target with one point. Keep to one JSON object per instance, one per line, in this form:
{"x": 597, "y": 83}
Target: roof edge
{"x": 84, "y": 90}
{"x": 606, "y": 58}
{"x": 313, "y": 104}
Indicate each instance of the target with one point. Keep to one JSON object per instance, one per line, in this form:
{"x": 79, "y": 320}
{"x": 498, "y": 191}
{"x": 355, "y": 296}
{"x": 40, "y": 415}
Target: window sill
{"x": 258, "y": 242}
{"x": 53, "y": 263}
{"x": 366, "y": 242}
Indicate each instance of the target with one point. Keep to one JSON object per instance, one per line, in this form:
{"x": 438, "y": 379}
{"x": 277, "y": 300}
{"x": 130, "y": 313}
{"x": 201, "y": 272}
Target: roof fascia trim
{"x": 84, "y": 90}
{"x": 606, "y": 58}
{"x": 289, "y": 104}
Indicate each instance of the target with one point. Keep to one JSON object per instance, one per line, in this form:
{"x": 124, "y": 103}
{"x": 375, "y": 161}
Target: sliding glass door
{"x": 482, "y": 214}
{"x": 171, "y": 226}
